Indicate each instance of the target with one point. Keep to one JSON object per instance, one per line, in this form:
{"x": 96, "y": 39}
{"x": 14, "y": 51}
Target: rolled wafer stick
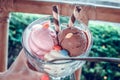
{"x": 56, "y": 18}
{"x": 74, "y": 16}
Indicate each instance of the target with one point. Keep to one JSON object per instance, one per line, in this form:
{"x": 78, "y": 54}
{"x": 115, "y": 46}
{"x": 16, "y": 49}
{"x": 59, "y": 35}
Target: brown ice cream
{"x": 74, "y": 40}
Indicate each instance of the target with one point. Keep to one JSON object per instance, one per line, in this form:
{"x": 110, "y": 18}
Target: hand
{"x": 20, "y": 70}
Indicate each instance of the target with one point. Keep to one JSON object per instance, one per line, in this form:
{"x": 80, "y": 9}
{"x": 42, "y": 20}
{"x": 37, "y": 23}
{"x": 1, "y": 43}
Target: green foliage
{"x": 106, "y": 40}
{"x": 106, "y": 43}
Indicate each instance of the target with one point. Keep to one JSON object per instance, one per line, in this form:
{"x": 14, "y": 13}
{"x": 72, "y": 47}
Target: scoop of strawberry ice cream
{"x": 42, "y": 39}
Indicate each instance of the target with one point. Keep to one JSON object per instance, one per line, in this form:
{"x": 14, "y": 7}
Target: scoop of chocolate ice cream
{"x": 74, "y": 40}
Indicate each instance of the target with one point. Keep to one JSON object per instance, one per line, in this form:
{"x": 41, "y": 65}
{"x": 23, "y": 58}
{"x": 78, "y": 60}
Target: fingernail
{"x": 45, "y": 77}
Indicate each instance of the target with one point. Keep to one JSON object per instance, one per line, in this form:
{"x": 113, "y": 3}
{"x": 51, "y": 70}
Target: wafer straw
{"x": 56, "y": 18}
{"x": 74, "y": 16}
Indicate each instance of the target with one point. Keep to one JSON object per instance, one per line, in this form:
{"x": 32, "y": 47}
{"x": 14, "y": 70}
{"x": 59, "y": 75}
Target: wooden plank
{"x": 3, "y": 45}
{"x": 92, "y": 13}
{"x": 108, "y": 14}
{"x": 4, "y": 13}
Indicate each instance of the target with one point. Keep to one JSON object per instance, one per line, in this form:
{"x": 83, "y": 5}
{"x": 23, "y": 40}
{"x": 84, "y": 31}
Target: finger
{"x": 78, "y": 74}
{"x": 20, "y": 62}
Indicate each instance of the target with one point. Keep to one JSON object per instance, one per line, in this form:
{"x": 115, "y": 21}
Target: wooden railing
{"x": 40, "y": 7}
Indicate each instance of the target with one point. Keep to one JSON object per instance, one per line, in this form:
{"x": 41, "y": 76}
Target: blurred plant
{"x": 106, "y": 44}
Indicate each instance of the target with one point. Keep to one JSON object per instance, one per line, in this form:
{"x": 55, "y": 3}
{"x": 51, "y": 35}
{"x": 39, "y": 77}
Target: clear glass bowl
{"x": 55, "y": 70}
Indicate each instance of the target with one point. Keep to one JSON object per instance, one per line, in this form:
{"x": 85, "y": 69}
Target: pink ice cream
{"x": 42, "y": 39}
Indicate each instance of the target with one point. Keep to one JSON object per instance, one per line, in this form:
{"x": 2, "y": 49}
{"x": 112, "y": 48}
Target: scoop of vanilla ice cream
{"x": 54, "y": 54}
{"x": 53, "y": 68}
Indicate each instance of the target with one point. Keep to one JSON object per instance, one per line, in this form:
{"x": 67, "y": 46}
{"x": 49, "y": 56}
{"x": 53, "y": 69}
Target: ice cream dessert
{"x": 71, "y": 41}
{"x": 74, "y": 40}
{"x": 42, "y": 41}
{"x": 48, "y": 42}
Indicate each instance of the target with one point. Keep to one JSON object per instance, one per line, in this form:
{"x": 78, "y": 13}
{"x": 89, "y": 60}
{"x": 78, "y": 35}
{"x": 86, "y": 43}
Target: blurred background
{"x": 106, "y": 43}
